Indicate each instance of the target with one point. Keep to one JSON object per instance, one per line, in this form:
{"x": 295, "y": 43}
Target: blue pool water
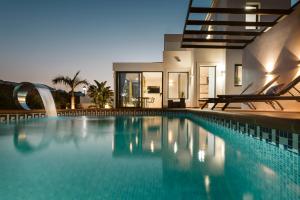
{"x": 140, "y": 158}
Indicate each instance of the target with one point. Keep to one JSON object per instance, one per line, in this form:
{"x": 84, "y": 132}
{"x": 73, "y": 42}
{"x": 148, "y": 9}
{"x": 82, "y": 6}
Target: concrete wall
{"x": 275, "y": 52}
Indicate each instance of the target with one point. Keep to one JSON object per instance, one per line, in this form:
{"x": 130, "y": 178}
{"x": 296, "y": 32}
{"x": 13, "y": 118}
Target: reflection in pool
{"x": 140, "y": 158}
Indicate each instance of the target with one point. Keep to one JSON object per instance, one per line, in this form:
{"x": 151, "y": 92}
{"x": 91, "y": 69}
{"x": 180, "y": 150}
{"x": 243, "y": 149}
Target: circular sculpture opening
{"x": 21, "y": 91}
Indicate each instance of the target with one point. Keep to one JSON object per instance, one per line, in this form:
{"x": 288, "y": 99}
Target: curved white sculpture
{"x": 21, "y": 91}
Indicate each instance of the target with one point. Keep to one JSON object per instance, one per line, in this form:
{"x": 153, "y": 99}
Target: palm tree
{"x": 100, "y": 93}
{"x": 72, "y": 83}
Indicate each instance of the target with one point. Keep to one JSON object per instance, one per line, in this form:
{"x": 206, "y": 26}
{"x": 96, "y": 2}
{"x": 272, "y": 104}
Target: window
{"x": 129, "y": 89}
{"x": 238, "y": 75}
{"x": 252, "y": 17}
{"x": 178, "y": 85}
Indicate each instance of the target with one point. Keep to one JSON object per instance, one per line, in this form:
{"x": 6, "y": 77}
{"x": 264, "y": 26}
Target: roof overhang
{"x": 206, "y": 38}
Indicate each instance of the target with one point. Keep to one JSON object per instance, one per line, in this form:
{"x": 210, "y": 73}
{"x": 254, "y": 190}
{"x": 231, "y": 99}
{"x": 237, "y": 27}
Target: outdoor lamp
{"x": 84, "y": 90}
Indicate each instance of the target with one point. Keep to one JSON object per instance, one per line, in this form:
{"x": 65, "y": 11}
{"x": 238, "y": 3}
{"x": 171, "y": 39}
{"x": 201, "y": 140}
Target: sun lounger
{"x": 222, "y": 97}
{"x": 267, "y": 98}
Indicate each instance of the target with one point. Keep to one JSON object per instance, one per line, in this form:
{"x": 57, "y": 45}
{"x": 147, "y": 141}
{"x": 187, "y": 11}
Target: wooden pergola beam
{"x": 229, "y": 23}
{"x": 211, "y": 46}
{"x": 240, "y": 11}
{"x": 239, "y": 33}
{"x": 216, "y": 40}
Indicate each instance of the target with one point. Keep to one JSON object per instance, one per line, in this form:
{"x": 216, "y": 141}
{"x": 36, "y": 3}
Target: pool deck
{"x": 272, "y": 114}
{"x": 282, "y": 120}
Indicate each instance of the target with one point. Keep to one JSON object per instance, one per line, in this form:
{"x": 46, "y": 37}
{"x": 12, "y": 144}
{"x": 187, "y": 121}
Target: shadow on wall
{"x": 286, "y": 62}
{"x": 276, "y": 52}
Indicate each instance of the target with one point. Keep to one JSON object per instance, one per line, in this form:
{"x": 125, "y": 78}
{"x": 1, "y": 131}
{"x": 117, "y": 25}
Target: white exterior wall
{"x": 276, "y": 52}
{"x": 190, "y": 61}
{"x": 233, "y": 57}
{"x": 224, "y": 60}
{"x": 211, "y": 57}
{"x": 171, "y": 52}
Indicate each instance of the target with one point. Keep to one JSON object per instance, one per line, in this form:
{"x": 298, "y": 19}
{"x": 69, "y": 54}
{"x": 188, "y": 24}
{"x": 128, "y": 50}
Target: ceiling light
{"x": 267, "y": 29}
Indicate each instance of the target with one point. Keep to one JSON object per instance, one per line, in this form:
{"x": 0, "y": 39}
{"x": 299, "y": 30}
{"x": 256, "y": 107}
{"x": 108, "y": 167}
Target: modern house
{"x": 237, "y": 43}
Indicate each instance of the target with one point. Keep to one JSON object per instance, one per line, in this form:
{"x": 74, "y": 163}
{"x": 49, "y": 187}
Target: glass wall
{"x": 178, "y": 85}
{"x": 139, "y": 89}
{"x": 129, "y": 89}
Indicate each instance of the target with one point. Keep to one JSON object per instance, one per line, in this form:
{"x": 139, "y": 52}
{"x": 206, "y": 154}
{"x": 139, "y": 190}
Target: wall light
{"x": 269, "y": 77}
{"x": 268, "y": 74}
{"x": 269, "y": 67}
{"x": 298, "y": 63}
{"x": 250, "y": 8}
{"x": 177, "y": 58}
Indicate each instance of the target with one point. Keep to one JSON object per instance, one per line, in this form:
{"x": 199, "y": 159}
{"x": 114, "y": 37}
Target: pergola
{"x": 204, "y": 38}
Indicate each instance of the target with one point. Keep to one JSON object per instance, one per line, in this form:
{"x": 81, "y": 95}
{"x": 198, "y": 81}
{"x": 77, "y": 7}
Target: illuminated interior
{"x": 140, "y": 89}
{"x": 178, "y": 85}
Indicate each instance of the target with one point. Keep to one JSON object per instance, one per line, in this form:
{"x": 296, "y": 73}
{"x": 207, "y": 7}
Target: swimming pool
{"x": 151, "y": 157}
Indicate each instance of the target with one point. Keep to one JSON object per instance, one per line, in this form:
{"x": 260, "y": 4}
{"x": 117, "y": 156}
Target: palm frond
{"x": 61, "y": 79}
{"x": 76, "y": 75}
{"x": 80, "y": 82}
{"x": 100, "y": 93}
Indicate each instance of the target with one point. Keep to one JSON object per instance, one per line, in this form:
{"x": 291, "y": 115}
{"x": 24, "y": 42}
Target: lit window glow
{"x": 152, "y": 146}
{"x": 201, "y": 155}
{"x": 130, "y": 147}
{"x": 175, "y": 147}
{"x": 207, "y": 183}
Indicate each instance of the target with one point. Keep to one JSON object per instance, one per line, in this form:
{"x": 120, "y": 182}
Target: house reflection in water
{"x": 191, "y": 156}
{"x": 138, "y": 136}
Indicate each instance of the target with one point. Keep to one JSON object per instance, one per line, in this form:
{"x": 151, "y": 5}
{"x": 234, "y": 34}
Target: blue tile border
{"x": 281, "y": 138}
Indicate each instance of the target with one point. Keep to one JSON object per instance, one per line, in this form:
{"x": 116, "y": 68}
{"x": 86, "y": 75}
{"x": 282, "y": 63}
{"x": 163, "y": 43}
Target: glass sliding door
{"x": 207, "y": 79}
{"x": 139, "y": 89}
{"x": 129, "y": 89}
{"x": 152, "y": 89}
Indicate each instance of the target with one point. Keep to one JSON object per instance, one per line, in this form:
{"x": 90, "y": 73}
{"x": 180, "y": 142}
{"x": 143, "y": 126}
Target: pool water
{"x": 160, "y": 157}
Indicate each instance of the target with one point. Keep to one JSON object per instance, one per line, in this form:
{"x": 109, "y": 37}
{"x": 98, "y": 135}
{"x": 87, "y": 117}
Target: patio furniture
{"x": 143, "y": 101}
{"x": 150, "y": 101}
{"x": 267, "y": 98}
{"x": 220, "y": 98}
{"x": 177, "y": 103}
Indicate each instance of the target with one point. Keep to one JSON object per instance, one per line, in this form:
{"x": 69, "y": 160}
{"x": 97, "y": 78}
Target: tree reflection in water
{"x": 37, "y": 135}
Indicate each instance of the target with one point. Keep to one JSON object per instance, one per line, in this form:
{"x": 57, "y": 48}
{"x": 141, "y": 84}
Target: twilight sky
{"x": 40, "y": 39}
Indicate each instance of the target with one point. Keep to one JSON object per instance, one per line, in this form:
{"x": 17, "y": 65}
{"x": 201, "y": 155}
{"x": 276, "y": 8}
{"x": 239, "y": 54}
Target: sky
{"x": 40, "y": 39}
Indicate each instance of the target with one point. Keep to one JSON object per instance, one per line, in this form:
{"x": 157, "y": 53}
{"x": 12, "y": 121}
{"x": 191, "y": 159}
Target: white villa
{"x": 222, "y": 54}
